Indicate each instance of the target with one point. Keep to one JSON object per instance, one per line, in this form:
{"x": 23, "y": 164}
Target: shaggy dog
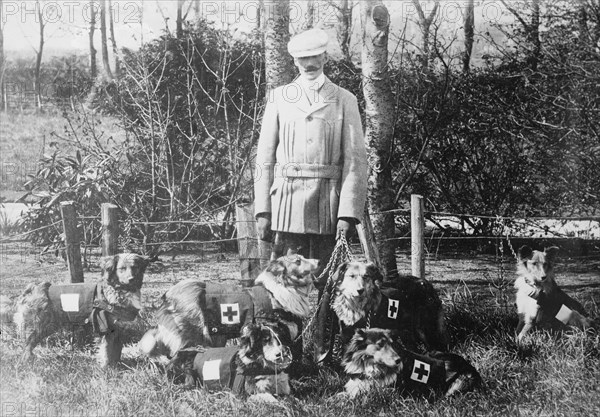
{"x": 44, "y": 308}
{"x": 372, "y": 359}
{"x": 198, "y": 313}
{"x": 357, "y": 297}
{"x": 539, "y": 299}
{"x": 256, "y": 367}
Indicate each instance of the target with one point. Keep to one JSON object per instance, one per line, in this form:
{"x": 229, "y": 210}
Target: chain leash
{"x": 341, "y": 253}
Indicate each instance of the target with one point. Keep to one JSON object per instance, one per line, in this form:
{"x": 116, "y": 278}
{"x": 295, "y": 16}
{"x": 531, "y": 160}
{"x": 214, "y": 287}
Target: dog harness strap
{"x": 121, "y": 313}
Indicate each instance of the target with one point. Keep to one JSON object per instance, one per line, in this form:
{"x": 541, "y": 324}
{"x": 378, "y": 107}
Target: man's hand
{"x": 263, "y": 224}
{"x": 345, "y": 225}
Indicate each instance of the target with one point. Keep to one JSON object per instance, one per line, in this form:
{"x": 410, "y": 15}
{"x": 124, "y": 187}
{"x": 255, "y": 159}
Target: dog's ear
{"x": 276, "y": 268}
{"x": 109, "y": 263}
{"x": 551, "y": 254}
{"x": 525, "y": 252}
{"x": 359, "y": 334}
{"x": 374, "y": 273}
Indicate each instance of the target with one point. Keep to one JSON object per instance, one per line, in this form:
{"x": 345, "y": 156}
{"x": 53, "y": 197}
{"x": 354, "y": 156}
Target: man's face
{"x": 311, "y": 67}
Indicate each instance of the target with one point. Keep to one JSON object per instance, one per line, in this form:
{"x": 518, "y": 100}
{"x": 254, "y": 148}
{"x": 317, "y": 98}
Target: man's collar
{"x": 314, "y": 85}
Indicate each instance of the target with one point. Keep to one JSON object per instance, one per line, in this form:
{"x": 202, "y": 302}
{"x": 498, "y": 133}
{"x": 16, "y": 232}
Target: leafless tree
{"x": 469, "y": 31}
{"x": 39, "y": 53}
{"x": 105, "y": 57}
{"x": 113, "y": 40}
{"x": 344, "y": 30}
{"x": 2, "y": 62}
{"x": 529, "y": 17}
{"x": 425, "y": 23}
{"x": 379, "y": 120}
{"x": 93, "y": 63}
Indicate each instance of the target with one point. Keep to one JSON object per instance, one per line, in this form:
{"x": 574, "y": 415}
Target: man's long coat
{"x": 311, "y": 165}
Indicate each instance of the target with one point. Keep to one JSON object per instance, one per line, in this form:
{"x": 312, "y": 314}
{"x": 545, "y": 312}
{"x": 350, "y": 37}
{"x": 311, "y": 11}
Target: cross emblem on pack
{"x": 421, "y": 371}
{"x": 393, "y": 308}
{"x": 230, "y": 313}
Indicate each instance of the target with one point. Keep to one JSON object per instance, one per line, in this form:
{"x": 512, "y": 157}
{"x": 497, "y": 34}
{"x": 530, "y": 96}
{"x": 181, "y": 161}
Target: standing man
{"x": 311, "y": 173}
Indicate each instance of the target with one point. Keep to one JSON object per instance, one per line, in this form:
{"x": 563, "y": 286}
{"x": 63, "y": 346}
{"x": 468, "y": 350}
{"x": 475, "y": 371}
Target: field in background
{"x": 25, "y": 137}
{"x": 546, "y": 377}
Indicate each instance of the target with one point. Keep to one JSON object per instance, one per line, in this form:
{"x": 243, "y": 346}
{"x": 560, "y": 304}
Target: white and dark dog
{"x": 540, "y": 301}
{"x": 256, "y": 367}
{"x": 373, "y": 359}
{"x": 195, "y": 313}
{"x": 358, "y": 297}
{"x": 43, "y": 309}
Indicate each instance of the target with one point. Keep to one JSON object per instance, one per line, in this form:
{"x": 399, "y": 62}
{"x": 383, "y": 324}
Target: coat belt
{"x": 299, "y": 170}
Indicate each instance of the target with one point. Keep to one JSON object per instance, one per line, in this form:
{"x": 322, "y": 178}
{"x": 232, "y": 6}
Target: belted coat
{"x": 311, "y": 164}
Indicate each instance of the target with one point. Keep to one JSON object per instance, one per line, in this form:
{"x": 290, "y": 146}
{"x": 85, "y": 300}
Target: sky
{"x": 67, "y": 22}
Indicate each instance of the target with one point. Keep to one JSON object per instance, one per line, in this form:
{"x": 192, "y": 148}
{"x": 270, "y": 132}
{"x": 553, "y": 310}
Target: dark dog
{"x": 539, "y": 299}
{"x": 372, "y": 359}
{"x": 44, "y": 308}
{"x": 256, "y": 367}
{"x": 358, "y": 298}
{"x": 198, "y": 313}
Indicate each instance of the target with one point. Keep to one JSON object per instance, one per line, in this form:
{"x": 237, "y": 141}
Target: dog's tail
{"x": 464, "y": 382}
{"x": 7, "y": 310}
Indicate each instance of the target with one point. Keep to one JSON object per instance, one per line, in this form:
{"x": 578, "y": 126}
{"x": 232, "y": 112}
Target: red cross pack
{"x": 420, "y": 372}
{"x": 230, "y": 313}
{"x": 393, "y": 307}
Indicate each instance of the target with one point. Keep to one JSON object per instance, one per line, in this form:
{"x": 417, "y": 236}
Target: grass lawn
{"x": 24, "y": 137}
{"x": 547, "y": 376}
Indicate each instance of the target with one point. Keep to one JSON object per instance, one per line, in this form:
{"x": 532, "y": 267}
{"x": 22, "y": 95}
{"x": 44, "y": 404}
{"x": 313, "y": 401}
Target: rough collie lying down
{"x": 539, "y": 299}
{"x": 372, "y": 359}
{"x": 45, "y": 308}
{"x": 199, "y": 313}
{"x": 359, "y": 298}
{"x": 255, "y": 368}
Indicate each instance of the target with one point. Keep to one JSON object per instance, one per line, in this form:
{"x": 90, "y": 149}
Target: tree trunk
{"x": 105, "y": 60}
{"x": 279, "y": 66}
{"x": 425, "y": 26}
{"x": 93, "y": 65}
{"x": 310, "y": 15}
{"x": 113, "y": 40}
{"x": 179, "y": 21}
{"x": 344, "y": 31}
{"x": 379, "y": 124}
{"x": 534, "y": 34}
{"x": 2, "y": 63}
{"x": 38, "y": 60}
{"x": 469, "y": 28}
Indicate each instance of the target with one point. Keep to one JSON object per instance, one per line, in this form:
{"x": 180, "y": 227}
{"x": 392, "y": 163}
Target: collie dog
{"x": 42, "y": 309}
{"x": 255, "y": 368}
{"x": 199, "y": 313}
{"x": 539, "y": 299}
{"x": 357, "y": 297}
{"x": 372, "y": 359}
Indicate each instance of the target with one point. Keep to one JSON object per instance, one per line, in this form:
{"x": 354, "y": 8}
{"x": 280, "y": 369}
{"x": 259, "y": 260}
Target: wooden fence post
{"x": 110, "y": 229}
{"x": 254, "y": 253}
{"x": 417, "y": 224}
{"x": 72, "y": 241}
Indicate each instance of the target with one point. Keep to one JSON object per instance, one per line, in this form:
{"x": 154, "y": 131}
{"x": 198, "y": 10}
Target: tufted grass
{"x": 549, "y": 375}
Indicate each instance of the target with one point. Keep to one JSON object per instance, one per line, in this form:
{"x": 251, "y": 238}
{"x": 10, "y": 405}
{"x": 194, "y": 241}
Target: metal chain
{"x": 341, "y": 253}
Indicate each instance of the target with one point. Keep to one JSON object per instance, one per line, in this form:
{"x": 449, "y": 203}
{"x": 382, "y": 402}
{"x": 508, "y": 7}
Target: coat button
{"x": 309, "y": 118}
{"x": 309, "y": 141}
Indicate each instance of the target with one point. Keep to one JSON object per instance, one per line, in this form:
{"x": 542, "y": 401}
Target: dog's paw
{"x": 264, "y": 397}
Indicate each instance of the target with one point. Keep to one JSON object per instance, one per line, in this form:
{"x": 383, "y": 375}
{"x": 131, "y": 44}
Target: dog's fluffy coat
{"x": 373, "y": 359}
{"x": 540, "y": 301}
{"x": 37, "y": 316}
{"x": 182, "y": 319}
{"x": 359, "y": 298}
